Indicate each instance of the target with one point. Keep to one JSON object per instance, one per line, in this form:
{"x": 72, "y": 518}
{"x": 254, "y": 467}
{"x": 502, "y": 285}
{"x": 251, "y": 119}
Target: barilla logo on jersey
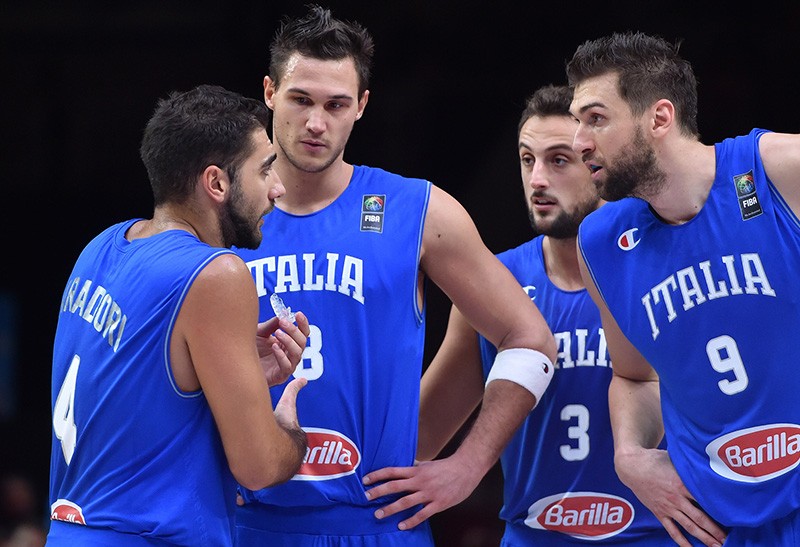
{"x": 584, "y": 515}
{"x": 746, "y": 192}
{"x": 372, "y": 208}
{"x": 628, "y": 240}
{"x": 66, "y": 511}
{"x": 756, "y": 454}
{"x": 329, "y": 455}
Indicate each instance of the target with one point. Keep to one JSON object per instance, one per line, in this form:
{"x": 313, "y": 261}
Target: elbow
{"x": 275, "y": 466}
{"x": 264, "y": 476}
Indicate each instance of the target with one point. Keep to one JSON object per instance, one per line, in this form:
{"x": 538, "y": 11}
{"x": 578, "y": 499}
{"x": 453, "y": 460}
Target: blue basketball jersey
{"x": 560, "y": 486}
{"x": 712, "y": 305}
{"x": 353, "y": 269}
{"x": 132, "y": 454}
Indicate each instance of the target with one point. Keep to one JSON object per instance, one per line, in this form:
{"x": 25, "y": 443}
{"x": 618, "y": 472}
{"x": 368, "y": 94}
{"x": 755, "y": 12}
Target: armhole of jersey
{"x": 589, "y": 268}
{"x": 419, "y": 313}
{"x": 168, "y": 338}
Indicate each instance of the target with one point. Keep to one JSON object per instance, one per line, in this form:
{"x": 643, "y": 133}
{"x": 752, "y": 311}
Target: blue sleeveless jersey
{"x": 132, "y": 454}
{"x": 713, "y": 306}
{"x": 560, "y": 486}
{"x": 352, "y": 268}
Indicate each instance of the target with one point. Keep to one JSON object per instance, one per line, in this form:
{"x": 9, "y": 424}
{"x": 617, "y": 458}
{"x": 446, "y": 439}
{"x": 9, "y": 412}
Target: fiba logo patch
{"x": 746, "y": 192}
{"x": 372, "y": 210}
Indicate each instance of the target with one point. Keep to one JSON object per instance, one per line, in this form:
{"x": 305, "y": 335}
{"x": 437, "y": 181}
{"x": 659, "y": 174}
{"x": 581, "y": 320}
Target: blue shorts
{"x": 783, "y": 531}
{"x": 76, "y": 535}
{"x": 336, "y": 526}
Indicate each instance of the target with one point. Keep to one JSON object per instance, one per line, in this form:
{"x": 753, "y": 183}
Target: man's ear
{"x": 362, "y": 104}
{"x": 269, "y": 92}
{"x": 663, "y": 117}
{"x": 215, "y": 183}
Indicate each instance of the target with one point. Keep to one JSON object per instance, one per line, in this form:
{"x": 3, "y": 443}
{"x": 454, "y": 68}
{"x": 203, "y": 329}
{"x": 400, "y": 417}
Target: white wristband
{"x": 529, "y": 368}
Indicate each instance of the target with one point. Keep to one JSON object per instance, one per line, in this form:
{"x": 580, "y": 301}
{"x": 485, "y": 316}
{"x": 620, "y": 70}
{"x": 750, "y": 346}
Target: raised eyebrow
{"x": 596, "y": 104}
{"x": 552, "y": 148}
{"x": 269, "y": 161}
{"x": 561, "y": 147}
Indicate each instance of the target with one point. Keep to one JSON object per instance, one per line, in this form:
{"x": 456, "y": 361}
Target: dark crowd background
{"x": 78, "y": 81}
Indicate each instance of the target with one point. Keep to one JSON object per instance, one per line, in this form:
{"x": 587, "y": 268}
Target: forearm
{"x": 290, "y": 452}
{"x": 635, "y": 410}
{"x": 505, "y": 406}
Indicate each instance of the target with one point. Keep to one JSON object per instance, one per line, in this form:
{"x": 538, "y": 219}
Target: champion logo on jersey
{"x": 746, "y": 192}
{"x": 585, "y": 515}
{"x": 372, "y": 210}
{"x": 329, "y": 455}
{"x": 66, "y": 511}
{"x": 628, "y": 240}
{"x": 756, "y": 454}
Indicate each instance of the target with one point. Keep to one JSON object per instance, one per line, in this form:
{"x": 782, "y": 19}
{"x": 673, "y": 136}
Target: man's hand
{"x": 436, "y": 485}
{"x": 280, "y": 346}
{"x": 652, "y": 477}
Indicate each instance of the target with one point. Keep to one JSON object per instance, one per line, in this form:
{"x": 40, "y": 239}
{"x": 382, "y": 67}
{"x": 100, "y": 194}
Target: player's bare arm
{"x": 214, "y": 333}
{"x": 453, "y": 380}
{"x": 635, "y": 412}
{"x": 494, "y": 303}
{"x": 780, "y": 153}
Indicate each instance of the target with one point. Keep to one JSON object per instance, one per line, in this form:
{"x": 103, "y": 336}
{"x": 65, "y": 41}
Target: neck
{"x": 561, "y": 263}
{"x": 308, "y": 192}
{"x": 167, "y": 218}
{"x": 690, "y": 171}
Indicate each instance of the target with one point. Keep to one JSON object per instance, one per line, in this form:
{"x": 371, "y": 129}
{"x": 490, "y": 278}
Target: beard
{"x": 236, "y": 226}
{"x": 634, "y": 172}
{"x": 565, "y": 224}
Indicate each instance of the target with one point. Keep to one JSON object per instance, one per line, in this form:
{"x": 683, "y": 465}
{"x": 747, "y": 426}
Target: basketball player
{"x": 696, "y": 280}
{"x": 160, "y": 396}
{"x": 559, "y": 484}
{"x": 360, "y": 245}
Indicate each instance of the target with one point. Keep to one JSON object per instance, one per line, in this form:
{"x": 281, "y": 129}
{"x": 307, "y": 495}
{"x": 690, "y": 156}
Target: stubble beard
{"x": 236, "y": 228}
{"x": 634, "y": 172}
{"x": 565, "y": 224}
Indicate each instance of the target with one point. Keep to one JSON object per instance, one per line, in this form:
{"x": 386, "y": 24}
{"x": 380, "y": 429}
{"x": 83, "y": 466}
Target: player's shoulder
{"x": 370, "y": 173}
{"x": 526, "y": 248}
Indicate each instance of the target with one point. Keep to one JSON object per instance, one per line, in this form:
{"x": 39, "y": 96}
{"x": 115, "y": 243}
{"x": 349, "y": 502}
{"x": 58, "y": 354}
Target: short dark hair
{"x": 321, "y": 36}
{"x": 548, "y": 100}
{"x": 191, "y": 130}
{"x": 648, "y": 68}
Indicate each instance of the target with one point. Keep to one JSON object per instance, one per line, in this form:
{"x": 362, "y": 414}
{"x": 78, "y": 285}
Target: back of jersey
{"x": 131, "y": 452}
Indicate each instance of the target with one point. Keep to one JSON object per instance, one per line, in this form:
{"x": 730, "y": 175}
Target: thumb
{"x": 287, "y": 405}
{"x": 291, "y": 390}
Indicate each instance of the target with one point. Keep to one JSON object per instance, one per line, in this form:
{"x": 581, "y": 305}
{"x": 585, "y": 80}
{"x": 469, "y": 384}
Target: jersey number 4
{"x": 64, "y": 411}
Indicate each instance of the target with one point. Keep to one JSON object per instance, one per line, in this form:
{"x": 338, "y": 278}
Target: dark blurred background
{"x": 78, "y": 81}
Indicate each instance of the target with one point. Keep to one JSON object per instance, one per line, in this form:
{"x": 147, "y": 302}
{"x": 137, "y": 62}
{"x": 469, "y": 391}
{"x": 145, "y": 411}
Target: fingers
{"x": 265, "y": 328}
{"x": 292, "y": 389}
{"x": 388, "y": 473}
{"x": 703, "y": 528}
{"x": 302, "y": 323}
{"x": 674, "y": 532}
{"x": 403, "y": 504}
